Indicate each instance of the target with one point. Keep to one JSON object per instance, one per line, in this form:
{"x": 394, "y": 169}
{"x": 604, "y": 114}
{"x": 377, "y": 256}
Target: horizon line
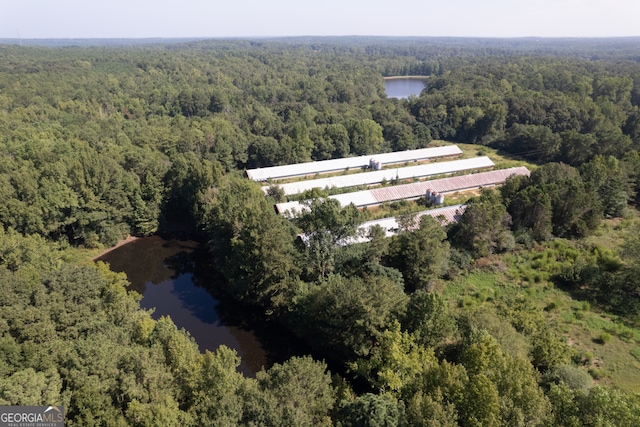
{"x": 316, "y": 36}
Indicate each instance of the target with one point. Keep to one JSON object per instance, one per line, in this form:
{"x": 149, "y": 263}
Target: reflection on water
{"x": 162, "y": 272}
{"x": 403, "y": 87}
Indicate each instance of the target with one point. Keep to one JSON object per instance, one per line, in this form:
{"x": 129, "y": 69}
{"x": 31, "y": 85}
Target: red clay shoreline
{"x": 122, "y": 242}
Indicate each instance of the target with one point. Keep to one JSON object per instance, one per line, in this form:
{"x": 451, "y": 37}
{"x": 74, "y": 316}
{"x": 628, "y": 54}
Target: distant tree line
{"x": 132, "y": 113}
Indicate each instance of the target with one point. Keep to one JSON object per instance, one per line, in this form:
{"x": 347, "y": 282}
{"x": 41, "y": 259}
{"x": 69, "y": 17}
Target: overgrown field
{"x": 604, "y": 344}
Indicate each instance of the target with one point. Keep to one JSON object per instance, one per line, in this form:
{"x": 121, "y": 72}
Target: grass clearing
{"x": 613, "y": 359}
{"x": 605, "y": 345}
{"x": 501, "y": 160}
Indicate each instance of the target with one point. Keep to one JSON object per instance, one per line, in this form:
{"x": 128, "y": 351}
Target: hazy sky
{"x": 247, "y": 18}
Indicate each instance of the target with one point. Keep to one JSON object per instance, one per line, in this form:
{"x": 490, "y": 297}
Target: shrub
{"x": 625, "y": 333}
{"x": 551, "y": 306}
{"x": 588, "y": 357}
{"x": 467, "y": 302}
{"x": 582, "y": 358}
{"x": 603, "y": 338}
{"x": 598, "y": 373}
{"x": 574, "y": 377}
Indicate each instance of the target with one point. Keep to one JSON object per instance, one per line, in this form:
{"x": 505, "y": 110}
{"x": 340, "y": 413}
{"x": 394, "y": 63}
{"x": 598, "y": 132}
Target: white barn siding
{"x": 446, "y": 215}
{"x": 336, "y": 165}
{"x": 370, "y": 178}
{"x": 414, "y": 190}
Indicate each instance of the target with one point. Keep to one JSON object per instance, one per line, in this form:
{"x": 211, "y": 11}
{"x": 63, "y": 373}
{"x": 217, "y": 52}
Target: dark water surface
{"x": 403, "y": 87}
{"x": 162, "y": 271}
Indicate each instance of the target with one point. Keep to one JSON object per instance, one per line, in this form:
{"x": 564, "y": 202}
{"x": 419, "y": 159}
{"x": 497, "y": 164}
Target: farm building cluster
{"x": 396, "y": 167}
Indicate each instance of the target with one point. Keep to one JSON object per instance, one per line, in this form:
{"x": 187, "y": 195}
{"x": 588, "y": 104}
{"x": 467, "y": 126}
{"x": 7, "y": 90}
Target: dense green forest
{"x": 525, "y": 313}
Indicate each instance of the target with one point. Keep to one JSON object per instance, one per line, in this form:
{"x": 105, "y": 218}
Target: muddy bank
{"x": 122, "y": 242}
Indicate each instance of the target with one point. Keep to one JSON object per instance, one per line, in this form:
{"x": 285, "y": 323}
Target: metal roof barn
{"x": 446, "y": 215}
{"x": 370, "y": 178}
{"x": 443, "y": 185}
{"x": 414, "y": 190}
{"x": 335, "y": 165}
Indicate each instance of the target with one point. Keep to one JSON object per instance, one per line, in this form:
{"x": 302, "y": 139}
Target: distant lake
{"x": 403, "y": 87}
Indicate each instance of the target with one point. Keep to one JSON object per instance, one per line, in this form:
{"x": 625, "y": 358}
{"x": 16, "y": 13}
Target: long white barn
{"x": 446, "y": 215}
{"x": 336, "y": 165}
{"x": 377, "y": 196}
{"x": 370, "y": 178}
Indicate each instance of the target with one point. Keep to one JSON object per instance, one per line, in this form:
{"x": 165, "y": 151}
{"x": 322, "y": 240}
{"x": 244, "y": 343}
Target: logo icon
{"x": 33, "y": 416}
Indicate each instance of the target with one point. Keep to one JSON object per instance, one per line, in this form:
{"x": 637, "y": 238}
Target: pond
{"x": 163, "y": 271}
{"x": 403, "y": 87}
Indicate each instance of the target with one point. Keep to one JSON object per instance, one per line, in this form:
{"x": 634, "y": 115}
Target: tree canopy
{"x": 450, "y": 326}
